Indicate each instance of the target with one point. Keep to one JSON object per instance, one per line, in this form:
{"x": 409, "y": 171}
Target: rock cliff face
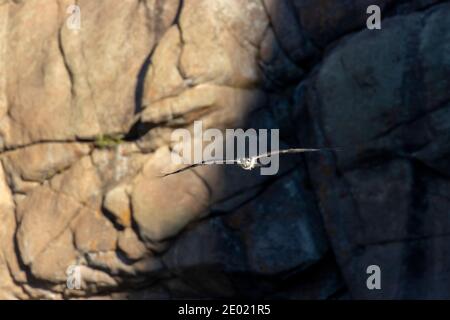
{"x": 85, "y": 123}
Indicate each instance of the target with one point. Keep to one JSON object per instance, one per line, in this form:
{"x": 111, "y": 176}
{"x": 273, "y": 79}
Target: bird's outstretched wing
{"x": 203, "y": 163}
{"x": 292, "y": 151}
{"x": 241, "y": 163}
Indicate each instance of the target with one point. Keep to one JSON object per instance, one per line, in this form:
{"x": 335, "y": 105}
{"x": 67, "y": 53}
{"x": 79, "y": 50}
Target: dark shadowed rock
{"x": 279, "y": 232}
{"x": 383, "y": 196}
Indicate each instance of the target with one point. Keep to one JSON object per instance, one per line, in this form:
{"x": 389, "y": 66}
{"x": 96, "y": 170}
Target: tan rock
{"x": 222, "y": 106}
{"x": 162, "y": 207}
{"x": 51, "y": 264}
{"x": 118, "y": 164}
{"x": 9, "y": 266}
{"x": 94, "y": 232}
{"x": 18, "y": 185}
{"x": 81, "y": 182}
{"x": 92, "y": 281}
{"x": 42, "y": 161}
{"x": 112, "y": 263}
{"x": 117, "y": 202}
{"x": 215, "y": 48}
{"x": 38, "y": 86}
{"x": 76, "y": 83}
{"x": 129, "y": 243}
{"x": 164, "y": 78}
{"x": 43, "y": 215}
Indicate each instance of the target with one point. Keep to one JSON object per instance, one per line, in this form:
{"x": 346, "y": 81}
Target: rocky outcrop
{"x": 385, "y": 197}
{"x": 85, "y": 122}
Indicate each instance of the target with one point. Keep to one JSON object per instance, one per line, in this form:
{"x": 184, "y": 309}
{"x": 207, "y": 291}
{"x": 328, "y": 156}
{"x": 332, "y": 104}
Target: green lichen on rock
{"x": 107, "y": 141}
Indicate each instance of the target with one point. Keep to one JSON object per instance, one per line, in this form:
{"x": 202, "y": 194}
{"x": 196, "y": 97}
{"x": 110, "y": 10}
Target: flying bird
{"x": 248, "y": 163}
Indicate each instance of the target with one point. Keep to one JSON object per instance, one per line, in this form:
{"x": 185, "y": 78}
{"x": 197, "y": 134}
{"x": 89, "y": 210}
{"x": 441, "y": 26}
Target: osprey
{"x": 247, "y": 163}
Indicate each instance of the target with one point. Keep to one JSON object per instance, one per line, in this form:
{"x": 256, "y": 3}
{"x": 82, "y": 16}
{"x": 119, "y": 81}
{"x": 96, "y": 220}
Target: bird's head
{"x": 247, "y": 163}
